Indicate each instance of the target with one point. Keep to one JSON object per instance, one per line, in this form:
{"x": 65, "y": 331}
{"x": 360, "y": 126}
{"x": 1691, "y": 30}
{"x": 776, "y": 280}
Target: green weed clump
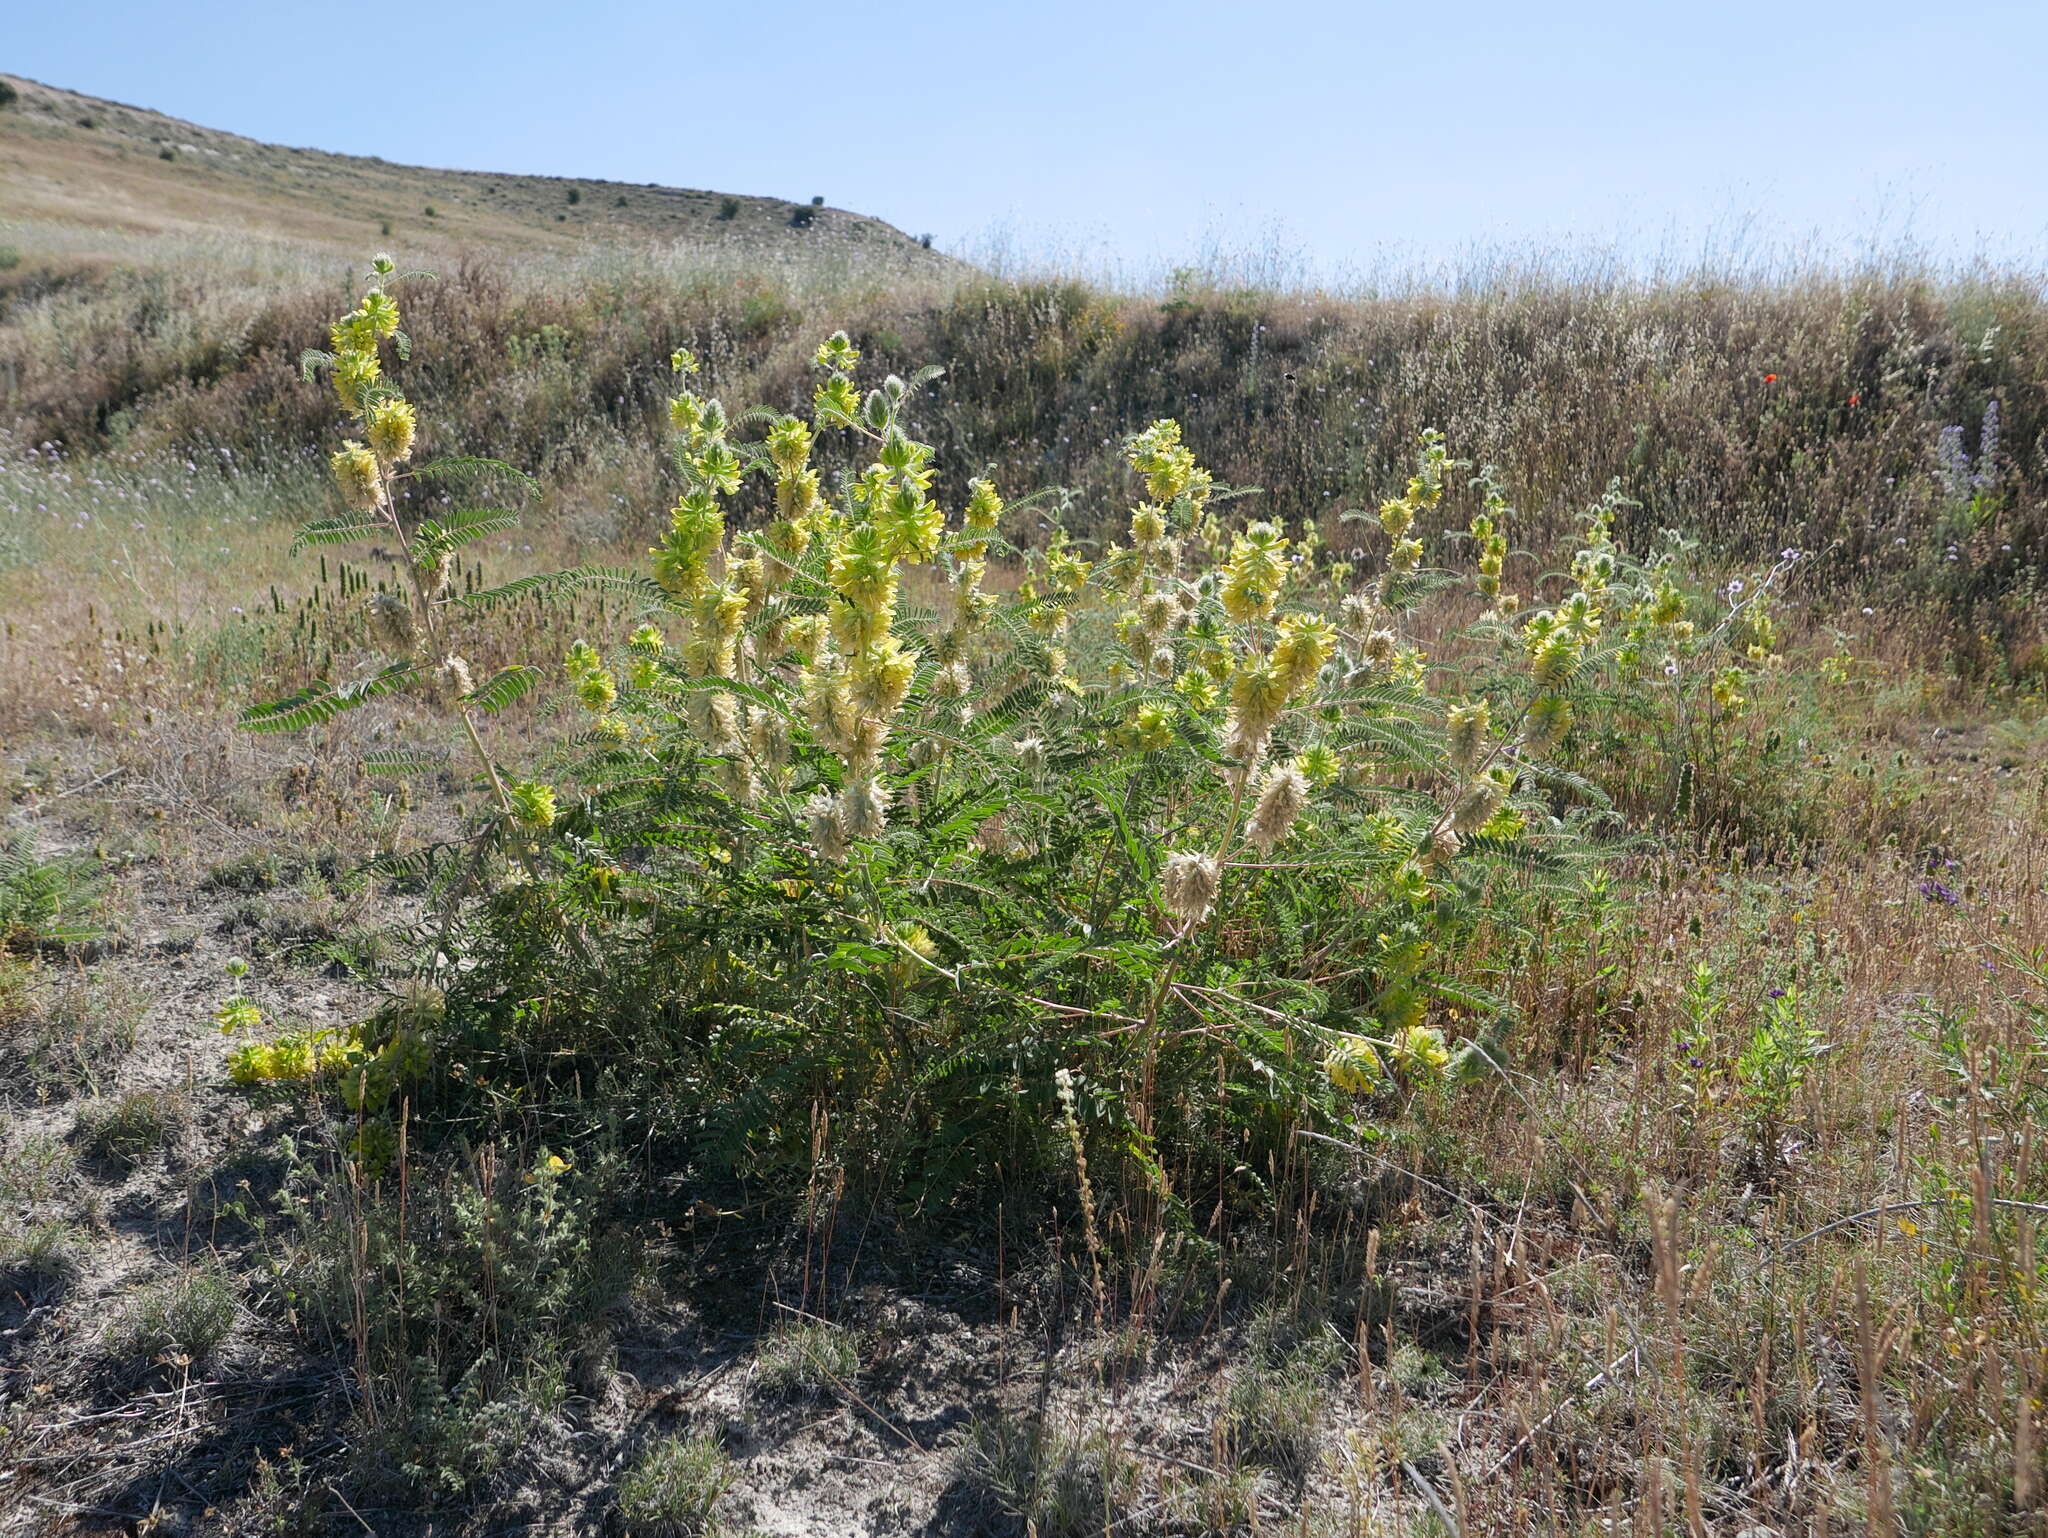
{"x": 674, "y": 1486}
{"x": 187, "y": 1316}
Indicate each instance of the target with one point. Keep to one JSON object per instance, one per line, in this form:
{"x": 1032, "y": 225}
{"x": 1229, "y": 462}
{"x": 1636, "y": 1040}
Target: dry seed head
{"x": 451, "y": 681}
{"x": 952, "y": 681}
{"x": 768, "y": 738}
{"x": 864, "y": 808}
{"x": 1282, "y": 794}
{"x": 1187, "y": 885}
{"x": 828, "y": 836}
{"x": 1549, "y": 718}
{"x": 1480, "y": 800}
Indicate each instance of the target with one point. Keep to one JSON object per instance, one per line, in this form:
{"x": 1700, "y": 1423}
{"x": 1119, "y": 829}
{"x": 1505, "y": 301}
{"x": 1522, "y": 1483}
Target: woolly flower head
{"x": 984, "y": 510}
{"x": 1031, "y": 755}
{"x": 380, "y": 311}
{"x": 390, "y": 429}
{"x": 1148, "y": 525}
{"x": 1151, "y": 728}
{"x": 1397, "y": 516}
{"x": 789, "y": 445}
{"x": 1549, "y": 718}
{"x": 355, "y": 471}
{"x": 1466, "y": 729}
{"x": 1282, "y": 793}
{"x": 1304, "y": 645}
{"x": 864, "y": 808}
{"x": 355, "y": 372}
{"x": 1255, "y": 573}
{"x": 533, "y": 804}
{"x": 1187, "y": 885}
{"x": 1353, "y": 1066}
{"x": 881, "y": 676}
{"x": 1157, "y": 454}
{"x": 1479, "y": 801}
{"x": 828, "y": 835}
{"x": 1320, "y": 764}
{"x": 1258, "y": 695}
{"x": 598, "y": 690}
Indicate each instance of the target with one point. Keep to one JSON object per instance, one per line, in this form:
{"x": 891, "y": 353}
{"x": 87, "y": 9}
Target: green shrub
{"x": 674, "y": 1486}
{"x": 8, "y": 95}
{"x": 728, "y": 209}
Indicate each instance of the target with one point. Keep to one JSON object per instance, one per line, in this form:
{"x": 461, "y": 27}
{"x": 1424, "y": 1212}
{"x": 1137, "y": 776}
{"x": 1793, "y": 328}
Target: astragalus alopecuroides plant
{"x": 878, "y": 811}
{"x": 414, "y": 622}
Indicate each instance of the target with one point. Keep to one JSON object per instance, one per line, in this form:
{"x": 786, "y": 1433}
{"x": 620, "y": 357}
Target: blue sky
{"x": 1331, "y": 138}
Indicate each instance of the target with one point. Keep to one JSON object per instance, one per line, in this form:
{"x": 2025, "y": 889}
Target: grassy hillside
{"x": 85, "y": 176}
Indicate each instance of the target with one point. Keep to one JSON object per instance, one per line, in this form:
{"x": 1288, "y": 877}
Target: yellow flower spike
{"x": 789, "y": 445}
{"x": 598, "y": 691}
{"x": 533, "y": 805}
{"x": 1419, "y": 1054}
{"x": 1255, "y": 573}
{"x": 355, "y": 372}
{"x": 1466, "y": 727}
{"x": 356, "y": 472}
{"x": 1353, "y": 1066}
{"x": 390, "y": 430}
{"x": 1305, "y": 643}
{"x": 910, "y": 525}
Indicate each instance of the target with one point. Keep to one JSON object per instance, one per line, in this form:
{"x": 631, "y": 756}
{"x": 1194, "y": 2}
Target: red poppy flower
{"x": 1855, "y": 400}
{"x": 1770, "y": 379}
